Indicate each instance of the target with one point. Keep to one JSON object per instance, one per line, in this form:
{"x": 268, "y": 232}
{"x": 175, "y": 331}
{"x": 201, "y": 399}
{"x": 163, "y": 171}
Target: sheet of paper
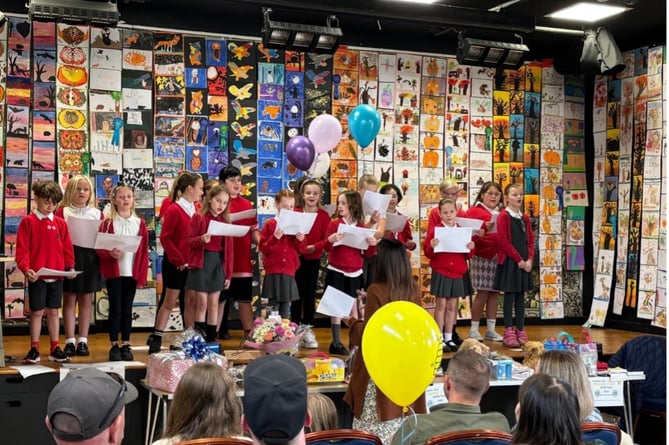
{"x": 355, "y": 237}
{"x": 246, "y": 214}
{"x": 434, "y": 395}
{"x": 469, "y": 222}
{"x": 125, "y": 243}
{"x": 373, "y": 201}
{"x": 83, "y": 231}
{"x": 293, "y": 223}
{"x": 46, "y": 272}
{"x": 395, "y": 222}
{"x": 31, "y": 370}
{"x": 223, "y": 229}
{"x": 452, "y": 239}
{"x": 494, "y": 223}
{"x": 335, "y": 303}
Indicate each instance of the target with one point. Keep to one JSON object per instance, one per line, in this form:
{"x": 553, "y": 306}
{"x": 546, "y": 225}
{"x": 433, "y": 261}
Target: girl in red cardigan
{"x": 448, "y": 269}
{"x": 308, "y": 200}
{"x": 483, "y": 265}
{"x": 174, "y": 239}
{"x": 514, "y": 264}
{"x": 124, "y": 272}
{"x": 281, "y": 258}
{"x": 404, "y": 236}
{"x": 209, "y": 260}
{"x": 344, "y": 270}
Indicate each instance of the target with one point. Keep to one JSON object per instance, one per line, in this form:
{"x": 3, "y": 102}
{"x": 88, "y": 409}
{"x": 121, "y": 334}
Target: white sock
{"x": 491, "y": 325}
{"x": 83, "y": 340}
{"x": 70, "y": 340}
{"x": 475, "y": 326}
{"x": 448, "y": 336}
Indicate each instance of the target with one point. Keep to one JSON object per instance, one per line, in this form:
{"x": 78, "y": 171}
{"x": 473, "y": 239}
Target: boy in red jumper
{"x": 241, "y": 284}
{"x": 43, "y": 240}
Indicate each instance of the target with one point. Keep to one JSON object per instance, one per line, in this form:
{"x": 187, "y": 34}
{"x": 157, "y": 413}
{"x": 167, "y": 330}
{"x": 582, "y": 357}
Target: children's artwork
{"x": 552, "y": 310}
{"x": 575, "y": 258}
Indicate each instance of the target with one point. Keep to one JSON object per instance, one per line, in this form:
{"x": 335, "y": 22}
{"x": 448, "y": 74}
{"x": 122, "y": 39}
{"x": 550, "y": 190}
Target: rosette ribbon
{"x": 196, "y": 348}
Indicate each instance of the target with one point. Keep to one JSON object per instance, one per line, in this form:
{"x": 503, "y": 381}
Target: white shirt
{"x": 129, "y": 226}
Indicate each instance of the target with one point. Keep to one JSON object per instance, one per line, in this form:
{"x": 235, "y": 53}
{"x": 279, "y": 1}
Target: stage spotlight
{"x": 480, "y": 52}
{"x": 297, "y": 37}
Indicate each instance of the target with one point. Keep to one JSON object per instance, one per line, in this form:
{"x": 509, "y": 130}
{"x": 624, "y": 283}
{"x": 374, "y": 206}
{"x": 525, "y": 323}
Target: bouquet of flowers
{"x": 275, "y": 336}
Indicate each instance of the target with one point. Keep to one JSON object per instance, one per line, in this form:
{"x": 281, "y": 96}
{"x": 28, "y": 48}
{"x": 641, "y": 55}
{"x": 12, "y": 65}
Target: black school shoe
{"x": 69, "y": 349}
{"x": 456, "y": 338}
{"x": 338, "y": 349}
{"x": 126, "y": 353}
{"x": 115, "y": 354}
{"x": 82, "y": 349}
{"x": 57, "y": 355}
{"x": 154, "y": 342}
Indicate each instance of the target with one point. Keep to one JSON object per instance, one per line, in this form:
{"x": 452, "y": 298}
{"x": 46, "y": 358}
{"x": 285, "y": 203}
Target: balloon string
{"x": 404, "y": 421}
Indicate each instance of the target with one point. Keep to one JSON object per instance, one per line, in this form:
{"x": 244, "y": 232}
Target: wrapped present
{"x": 322, "y": 368}
{"x": 165, "y": 369}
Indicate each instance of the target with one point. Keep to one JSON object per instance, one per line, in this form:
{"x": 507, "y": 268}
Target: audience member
{"x": 204, "y": 405}
{"x": 568, "y": 366}
{"x": 547, "y": 413}
{"x": 275, "y": 400}
{"x": 323, "y": 412}
{"x": 88, "y": 407}
{"x": 465, "y": 382}
{"x": 372, "y": 410}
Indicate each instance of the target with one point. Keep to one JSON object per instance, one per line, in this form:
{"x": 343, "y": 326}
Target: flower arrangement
{"x": 275, "y": 336}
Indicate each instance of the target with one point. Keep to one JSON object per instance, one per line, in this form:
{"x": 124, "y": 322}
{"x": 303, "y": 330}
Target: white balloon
{"x": 320, "y": 166}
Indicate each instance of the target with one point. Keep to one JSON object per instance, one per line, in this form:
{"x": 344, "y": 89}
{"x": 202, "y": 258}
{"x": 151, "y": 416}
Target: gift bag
{"x": 164, "y": 369}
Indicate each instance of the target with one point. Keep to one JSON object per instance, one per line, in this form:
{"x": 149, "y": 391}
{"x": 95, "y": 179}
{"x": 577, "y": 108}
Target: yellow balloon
{"x": 402, "y": 350}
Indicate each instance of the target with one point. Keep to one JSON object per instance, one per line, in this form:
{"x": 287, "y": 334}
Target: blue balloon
{"x": 364, "y": 124}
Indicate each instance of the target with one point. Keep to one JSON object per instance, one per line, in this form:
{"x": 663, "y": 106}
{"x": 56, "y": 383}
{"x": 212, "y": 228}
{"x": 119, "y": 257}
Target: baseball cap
{"x": 86, "y": 402}
{"x": 275, "y": 397}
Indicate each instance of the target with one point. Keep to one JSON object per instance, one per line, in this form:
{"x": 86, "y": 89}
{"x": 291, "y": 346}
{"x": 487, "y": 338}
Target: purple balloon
{"x": 300, "y": 152}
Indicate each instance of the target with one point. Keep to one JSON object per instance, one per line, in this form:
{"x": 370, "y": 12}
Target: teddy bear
{"x": 475, "y": 345}
{"x": 533, "y": 350}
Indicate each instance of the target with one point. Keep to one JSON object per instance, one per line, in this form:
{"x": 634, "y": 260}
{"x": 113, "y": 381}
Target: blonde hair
{"x": 71, "y": 189}
{"x": 447, "y": 184}
{"x": 367, "y": 180}
{"x": 113, "y": 212}
{"x": 323, "y": 412}
{"x": 568, "y": 366}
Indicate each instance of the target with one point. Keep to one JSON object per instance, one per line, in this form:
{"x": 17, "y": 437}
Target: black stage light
{"x": 298, "y": 37}
{"x": 479, "y": 52}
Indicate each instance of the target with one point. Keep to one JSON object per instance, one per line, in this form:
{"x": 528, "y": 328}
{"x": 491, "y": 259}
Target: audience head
{"x": 88, "y": 406}
{"x": 323, "y": 412}
{"x": 467, "y": 377}
{"x": 547, "y": 413}
{"x": 204, "y": 405}
{"x": 275, "y": 399}
{"x": 568, "y": 366}
{"x": 395, "y": 270}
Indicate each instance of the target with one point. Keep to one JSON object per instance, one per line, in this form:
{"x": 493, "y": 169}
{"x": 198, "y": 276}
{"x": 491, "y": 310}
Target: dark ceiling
{"x": 396, "y": 25}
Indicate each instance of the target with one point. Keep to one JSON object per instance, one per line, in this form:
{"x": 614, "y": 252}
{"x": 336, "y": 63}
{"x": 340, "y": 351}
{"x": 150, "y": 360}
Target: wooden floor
{"x": 17, "y": 346}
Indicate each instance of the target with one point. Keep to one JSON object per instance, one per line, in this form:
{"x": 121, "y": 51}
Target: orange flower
{"x": 268, "y": 337}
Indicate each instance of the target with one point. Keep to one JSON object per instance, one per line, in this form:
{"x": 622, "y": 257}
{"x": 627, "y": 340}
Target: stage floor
{"x": 16, "y": 347}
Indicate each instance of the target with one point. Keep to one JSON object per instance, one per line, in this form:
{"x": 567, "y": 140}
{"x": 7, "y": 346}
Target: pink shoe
{"x": 522, "y": 336}
{"x": 510, "y": 340}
